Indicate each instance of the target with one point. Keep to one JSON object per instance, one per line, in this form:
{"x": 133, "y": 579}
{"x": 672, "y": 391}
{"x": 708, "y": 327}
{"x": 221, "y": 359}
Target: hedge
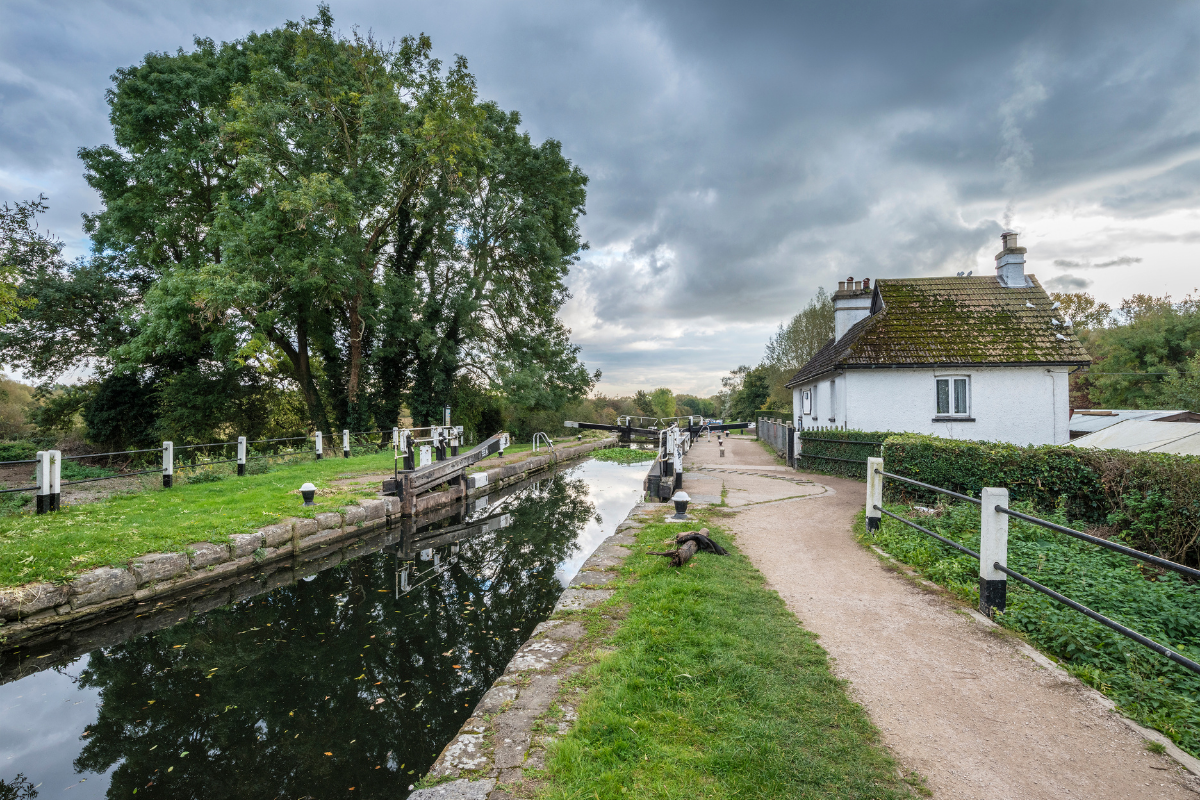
{"x": 853, "y": 445}
{"x": 1151, "y": 499}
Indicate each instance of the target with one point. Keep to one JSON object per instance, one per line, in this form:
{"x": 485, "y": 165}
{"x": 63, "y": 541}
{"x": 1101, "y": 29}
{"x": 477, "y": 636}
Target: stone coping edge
{"x": 503, "y": 736}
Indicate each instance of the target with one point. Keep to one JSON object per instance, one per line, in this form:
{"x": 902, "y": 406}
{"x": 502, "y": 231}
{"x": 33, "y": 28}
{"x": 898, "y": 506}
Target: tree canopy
{"x": 301, "y": 211}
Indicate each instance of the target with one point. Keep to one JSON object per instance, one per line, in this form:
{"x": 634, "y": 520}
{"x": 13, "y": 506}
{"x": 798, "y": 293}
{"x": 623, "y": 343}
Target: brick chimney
{"x": 1010, "y": 263}
{"x": 851, "y": 303}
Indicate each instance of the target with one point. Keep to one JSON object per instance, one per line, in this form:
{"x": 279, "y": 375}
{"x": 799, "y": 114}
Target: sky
{"x": 741, "y": 155}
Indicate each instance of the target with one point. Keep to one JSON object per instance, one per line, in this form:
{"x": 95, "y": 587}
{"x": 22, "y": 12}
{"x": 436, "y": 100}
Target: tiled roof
{"x": 951, "y": 322}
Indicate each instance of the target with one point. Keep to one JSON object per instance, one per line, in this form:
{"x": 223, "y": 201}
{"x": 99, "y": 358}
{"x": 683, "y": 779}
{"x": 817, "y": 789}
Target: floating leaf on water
{"x": 360, "y": 677}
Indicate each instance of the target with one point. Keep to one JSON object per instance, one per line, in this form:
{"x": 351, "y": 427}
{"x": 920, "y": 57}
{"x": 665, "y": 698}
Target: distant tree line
{"x": 301, "y": 230}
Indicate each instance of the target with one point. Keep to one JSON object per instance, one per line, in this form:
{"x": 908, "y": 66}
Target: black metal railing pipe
{"x": 839, "y": 441}
{"x": 930, "y": 486}
{"x": 113, "y": 477}
{"x": 20, "y": 489}
{"x": 116, "y": 453}
{"x": 830, "y": 458}
{"x": 1129, "y": 633}
{"x": 1119, "y": 548}
{"x": 928, "y": 532}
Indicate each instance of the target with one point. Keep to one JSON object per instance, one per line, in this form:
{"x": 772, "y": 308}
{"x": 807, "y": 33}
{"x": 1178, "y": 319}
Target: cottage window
{"x": 833, "y": 400}
{"x": 808, "y": 402}
{"x": 953, "y": 397}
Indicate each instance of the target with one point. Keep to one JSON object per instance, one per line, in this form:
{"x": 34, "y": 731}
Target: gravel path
{"x": 954, "y": 699}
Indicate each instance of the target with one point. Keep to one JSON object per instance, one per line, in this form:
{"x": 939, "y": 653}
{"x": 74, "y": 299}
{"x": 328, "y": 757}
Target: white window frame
{"x": 833, "y": 399}
{"x": 953, "y": 382}
{"x": 806, "y": 402}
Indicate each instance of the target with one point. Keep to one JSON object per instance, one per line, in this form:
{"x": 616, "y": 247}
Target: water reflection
{"x": 345, "y": 683}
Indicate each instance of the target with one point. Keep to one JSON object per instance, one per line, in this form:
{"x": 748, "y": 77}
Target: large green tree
{"x": 330, "y": 215}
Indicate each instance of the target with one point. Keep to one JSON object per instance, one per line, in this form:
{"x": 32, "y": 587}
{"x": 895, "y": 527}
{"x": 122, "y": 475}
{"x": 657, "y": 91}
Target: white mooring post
{"x": 345, "y": 444}
{"x": 318, "y": 445}
{"x": 241, "y": 462}
{"x": 993, "y": 549}
{"x": 43, "y": 481}
{"x": 55, "y": 479}
{"x": 874, "y": 492}
{"x": 168, "y": 464}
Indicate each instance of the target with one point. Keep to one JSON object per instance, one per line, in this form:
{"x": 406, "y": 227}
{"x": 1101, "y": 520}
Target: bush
{"x": 1151, "y": 499}
{"x": 854, "y": 445}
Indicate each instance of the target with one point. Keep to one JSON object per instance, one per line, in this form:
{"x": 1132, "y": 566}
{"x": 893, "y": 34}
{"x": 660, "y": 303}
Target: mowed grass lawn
{"x": 714, "y": 690}
{"x": 58, "y": 546}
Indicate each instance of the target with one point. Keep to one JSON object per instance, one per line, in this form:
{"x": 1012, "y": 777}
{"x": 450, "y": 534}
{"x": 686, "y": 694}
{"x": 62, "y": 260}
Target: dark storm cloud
{"x": 740, "y": 155}
{"x": 1122, "y": 261}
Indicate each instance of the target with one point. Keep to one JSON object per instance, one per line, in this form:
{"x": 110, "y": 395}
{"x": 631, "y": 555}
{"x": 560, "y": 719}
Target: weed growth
{"x": 1149, "y": 688}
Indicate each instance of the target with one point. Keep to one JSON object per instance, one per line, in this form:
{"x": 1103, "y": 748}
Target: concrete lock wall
{"x": 1021, "y": 405}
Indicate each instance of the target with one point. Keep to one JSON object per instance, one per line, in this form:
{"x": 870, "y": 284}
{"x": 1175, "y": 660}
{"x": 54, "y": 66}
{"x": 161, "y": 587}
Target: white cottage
{"x": 962, "y": 358}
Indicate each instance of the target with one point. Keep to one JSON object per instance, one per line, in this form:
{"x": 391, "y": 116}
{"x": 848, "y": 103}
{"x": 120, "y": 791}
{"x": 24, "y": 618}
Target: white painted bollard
{"x": 874, "y": 493}
{"x": 318, "y": 445}
{"x": 993, "y": 549}
{"x": 168, "y": 464}
{"x": 42, "y": 473}
{"x": 241, "y": 461}
{"x": 345, "y": 444}
{"x": 55, "y": 479}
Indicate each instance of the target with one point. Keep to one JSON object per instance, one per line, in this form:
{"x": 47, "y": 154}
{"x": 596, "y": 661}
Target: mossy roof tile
{"x": 951, "y": 321}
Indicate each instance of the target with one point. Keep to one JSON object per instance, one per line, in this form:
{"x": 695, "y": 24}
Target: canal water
{"x": 346, "y": 683}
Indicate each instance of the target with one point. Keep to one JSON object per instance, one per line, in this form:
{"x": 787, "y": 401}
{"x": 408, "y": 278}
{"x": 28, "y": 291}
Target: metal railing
{"x": 993, "y": 558}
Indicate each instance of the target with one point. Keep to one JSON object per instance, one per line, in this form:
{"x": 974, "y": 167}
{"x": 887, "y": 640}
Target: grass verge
{"x": 55, "y": 547}
{"x": 714, "y": 691}
{"x": 1145, "y": 686}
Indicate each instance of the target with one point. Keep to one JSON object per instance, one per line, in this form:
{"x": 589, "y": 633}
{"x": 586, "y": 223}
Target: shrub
{"x": 1152, "y": 499}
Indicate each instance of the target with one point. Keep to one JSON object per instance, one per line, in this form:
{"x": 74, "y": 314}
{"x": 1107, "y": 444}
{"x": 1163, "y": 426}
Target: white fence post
{"x": 43, "y": 481}
{"x": 241, "y": 462}
{"x": 345, "y": 444}
{"x": 55, "y": 479}
{"x": 318, "y": 445}
{"x": 874, "y": 493}
{"x": 168, "y": 464}
{"x": 993, "y": 549}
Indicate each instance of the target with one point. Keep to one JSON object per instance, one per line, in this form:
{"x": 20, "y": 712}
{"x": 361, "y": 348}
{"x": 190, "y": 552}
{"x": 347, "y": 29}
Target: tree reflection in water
{"x": 333, "y": 686}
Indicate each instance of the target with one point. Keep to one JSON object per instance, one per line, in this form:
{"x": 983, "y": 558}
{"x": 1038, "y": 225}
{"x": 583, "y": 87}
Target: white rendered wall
{"x": 1021, "y": 405}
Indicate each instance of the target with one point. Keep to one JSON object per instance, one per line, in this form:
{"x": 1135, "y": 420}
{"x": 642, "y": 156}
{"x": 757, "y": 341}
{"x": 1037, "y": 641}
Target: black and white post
{"x": 168, "y": 464}
{"x": 993, "y": 549}
{"x": 345, "y": 444}
{"x": 55, "y": 479}
{"x": 874, "y": 493}
{"x": 241, "y": 459}
{"x": 43, "y": 481}
{"x": 318, "y": 445}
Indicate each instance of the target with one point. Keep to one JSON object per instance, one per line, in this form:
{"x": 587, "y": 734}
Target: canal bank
{"x": 344, "y": 682}
{"x": 649, "y": 680}
{"x": 35, "y": 609}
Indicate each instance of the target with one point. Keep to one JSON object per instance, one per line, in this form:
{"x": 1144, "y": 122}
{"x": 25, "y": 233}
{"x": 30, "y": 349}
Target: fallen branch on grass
{"x": 689, "y": 543}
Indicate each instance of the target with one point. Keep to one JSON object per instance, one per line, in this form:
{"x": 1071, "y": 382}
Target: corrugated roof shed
{"x": 1092, "y": 422}
{"x": 1181, "y": 438}
{"x": 951, "y": 322}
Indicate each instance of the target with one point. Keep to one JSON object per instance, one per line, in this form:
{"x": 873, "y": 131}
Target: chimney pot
{"x": 1010, "y": 263}
{"x": 866, "y": 284}
{"x": 841, "y": 286}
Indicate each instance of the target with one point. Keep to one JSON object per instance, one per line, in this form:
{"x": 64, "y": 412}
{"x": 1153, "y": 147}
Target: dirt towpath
{"x": 954, "y": 699}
